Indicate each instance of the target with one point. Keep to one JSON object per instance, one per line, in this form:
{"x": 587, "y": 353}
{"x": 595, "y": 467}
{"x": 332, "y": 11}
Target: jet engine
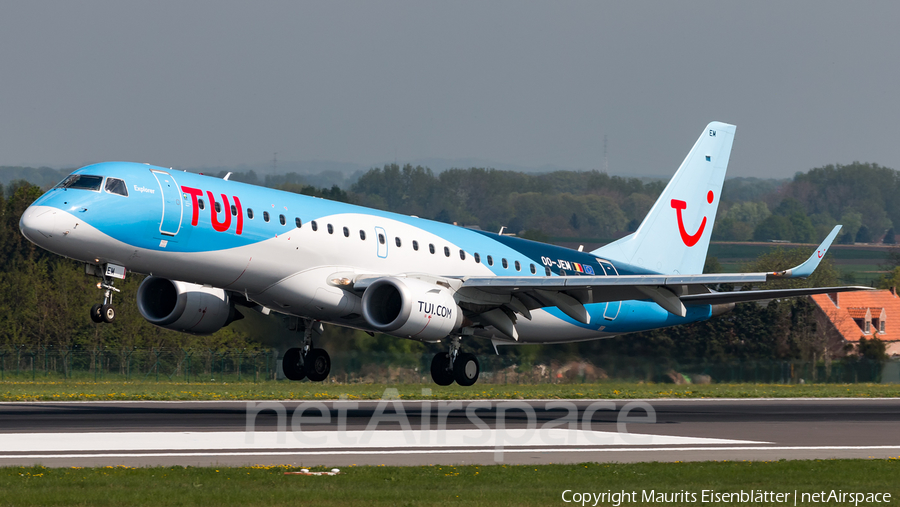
{"x": 183, "y": 306}
{"x": 411, "y": 308}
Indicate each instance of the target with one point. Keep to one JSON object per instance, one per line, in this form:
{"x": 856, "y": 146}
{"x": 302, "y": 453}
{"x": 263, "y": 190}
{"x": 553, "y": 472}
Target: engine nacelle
{"x": 183, "y": 306}
{"x": 411, "y": 308}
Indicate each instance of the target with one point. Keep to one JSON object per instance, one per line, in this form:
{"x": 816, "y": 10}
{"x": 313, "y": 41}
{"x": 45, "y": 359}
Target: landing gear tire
{"x": 291, "y": 366}
{"x": 318, "y": 365}
{"x": 466, "y": 369}
{"x": 440, "y": 369}
{"x": 107, "y": 313}
{"x": 96, "y": 314}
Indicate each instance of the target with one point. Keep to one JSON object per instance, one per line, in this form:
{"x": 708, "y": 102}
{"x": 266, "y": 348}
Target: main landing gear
{"x": 455, "y": 365}
{"x": 105, "y": 312}
{"x": 306, "y": 361}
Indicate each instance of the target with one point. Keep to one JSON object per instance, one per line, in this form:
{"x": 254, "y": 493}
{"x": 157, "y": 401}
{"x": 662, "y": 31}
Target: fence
{"x": 241, "y": 365}
{"x": 137, "y": 364}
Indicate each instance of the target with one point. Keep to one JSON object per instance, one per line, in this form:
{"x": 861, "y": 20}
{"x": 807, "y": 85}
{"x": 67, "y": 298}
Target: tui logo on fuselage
{"x": 222, "y": 226}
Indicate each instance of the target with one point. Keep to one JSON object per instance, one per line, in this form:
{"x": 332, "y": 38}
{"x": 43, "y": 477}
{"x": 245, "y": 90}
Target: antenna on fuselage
{"x": 227, "y": 176}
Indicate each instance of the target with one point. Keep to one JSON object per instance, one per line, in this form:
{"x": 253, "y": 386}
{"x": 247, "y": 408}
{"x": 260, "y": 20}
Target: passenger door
{"x": 172, "y": 209}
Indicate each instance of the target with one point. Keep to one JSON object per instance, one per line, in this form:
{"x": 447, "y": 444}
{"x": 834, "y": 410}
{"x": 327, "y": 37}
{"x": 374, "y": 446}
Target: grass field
{"x": 443, "y": 485}
{"x": 136, "y": 390}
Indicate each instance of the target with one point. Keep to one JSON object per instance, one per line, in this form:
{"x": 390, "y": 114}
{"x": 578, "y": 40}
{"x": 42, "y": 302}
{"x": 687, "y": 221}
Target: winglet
{"x": 807, "y": 268}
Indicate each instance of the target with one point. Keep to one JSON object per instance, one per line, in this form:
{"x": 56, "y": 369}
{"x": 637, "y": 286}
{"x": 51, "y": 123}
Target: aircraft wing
{"x": 672, "y": 292}
{"x": 495, "y": 300}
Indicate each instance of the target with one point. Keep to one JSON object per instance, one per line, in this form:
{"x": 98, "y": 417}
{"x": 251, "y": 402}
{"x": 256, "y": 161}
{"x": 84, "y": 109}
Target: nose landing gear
{"x": 461, "y": 367}
{"x": 105, "y": 312}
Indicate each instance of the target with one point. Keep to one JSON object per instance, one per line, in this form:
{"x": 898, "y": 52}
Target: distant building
{"x": 845, "y": 317}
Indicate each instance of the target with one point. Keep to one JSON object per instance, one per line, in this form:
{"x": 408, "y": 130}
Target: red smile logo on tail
{"x": 690, "y": 239}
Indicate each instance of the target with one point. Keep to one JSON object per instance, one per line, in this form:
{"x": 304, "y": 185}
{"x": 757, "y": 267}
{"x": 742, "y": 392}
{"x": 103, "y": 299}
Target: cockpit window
{"x": 116, "y": 186}
{"x": 82, "y": 181}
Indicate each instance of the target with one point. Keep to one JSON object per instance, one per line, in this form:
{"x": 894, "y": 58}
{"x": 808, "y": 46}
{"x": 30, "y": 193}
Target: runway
{"x": 391, "y": 432}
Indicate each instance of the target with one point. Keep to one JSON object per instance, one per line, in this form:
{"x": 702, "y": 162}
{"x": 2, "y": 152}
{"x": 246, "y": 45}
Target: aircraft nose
{"x": 38, "y": 222}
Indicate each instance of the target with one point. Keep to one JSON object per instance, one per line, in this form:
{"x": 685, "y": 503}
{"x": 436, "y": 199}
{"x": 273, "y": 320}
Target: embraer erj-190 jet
{"x": 210, "y": 245}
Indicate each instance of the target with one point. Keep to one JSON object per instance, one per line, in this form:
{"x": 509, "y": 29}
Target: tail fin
{"x": 674, "y": 237}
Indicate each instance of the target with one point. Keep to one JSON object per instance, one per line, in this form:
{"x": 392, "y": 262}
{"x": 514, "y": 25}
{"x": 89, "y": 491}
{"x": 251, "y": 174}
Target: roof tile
{"x": 850, "y": 304}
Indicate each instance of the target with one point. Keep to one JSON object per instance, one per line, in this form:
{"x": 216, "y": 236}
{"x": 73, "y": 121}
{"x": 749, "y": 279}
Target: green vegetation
{"x": 561, "y": 203}
{"x": 165, "y": 391}
{"x": 568, "y": 204}
{"x": 861, "y": 197}
{"x": 435, "y": 485}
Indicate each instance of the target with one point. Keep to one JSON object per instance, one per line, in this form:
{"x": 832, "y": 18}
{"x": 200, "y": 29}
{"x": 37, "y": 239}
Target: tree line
{"x": 863, "y": 197}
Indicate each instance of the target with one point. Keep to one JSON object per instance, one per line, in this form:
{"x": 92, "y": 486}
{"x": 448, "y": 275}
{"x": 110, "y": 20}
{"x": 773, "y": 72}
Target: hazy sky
{"x": 190, "y": 84}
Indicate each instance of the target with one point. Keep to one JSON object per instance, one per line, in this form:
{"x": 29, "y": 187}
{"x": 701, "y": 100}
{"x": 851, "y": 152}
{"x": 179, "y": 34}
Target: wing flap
{"x": 504, "y": 284}
{"x": 742, "y": 296}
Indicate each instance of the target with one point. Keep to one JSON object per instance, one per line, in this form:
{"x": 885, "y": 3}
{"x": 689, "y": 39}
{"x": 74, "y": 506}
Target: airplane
{"x": 212, "y": 248}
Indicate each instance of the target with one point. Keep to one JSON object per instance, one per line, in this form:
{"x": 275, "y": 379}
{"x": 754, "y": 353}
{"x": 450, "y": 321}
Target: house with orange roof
{"x": 846, "y": 317}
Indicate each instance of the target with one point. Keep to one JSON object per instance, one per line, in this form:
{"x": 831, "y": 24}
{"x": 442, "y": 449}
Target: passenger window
{"x": 362, "y": 234}
{"x": 547, "y": 271}
{"x": 282, "y": 219}
{"x": 266, "y": 216}
{"x": 314, "y": 225}
{"x": 217, "y": 206}
{"x": 446, "y": 251}
{"x": 477, "y": 258}
{"x": 415, "y": 245}
{"x": 518, "y": 266}
{"x": 298, "y": 222}
{"x": 233, "y": 210}
{"x": 533, "y": 269}
{"x": 397, "y": 241}
{"x": 431, "y": 247}
{"x": 201, "y": 204}
{"x": 505, "y": 264}
{"x": 490, "y": 261}
{"x": 462, "y": 254}
{"x": 346, "y": 232}
{"x": 381, "y": 238}
{"x": 116, "y": 186}
{"x": 250, "y": 213}
{"x": 330, "y": 229}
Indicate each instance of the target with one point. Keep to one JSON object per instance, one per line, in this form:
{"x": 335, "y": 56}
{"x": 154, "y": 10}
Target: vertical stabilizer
{"x": 674, "y": 237}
